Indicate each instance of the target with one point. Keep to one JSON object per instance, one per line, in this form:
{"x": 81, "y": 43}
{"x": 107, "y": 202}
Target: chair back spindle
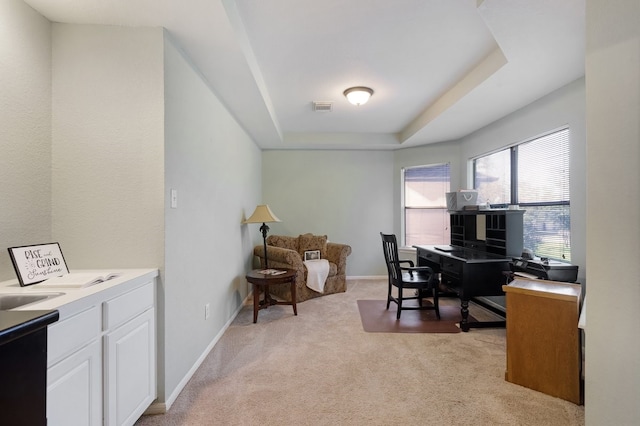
{"x": 390, "y": 248}
{"x": 420, "y": 278}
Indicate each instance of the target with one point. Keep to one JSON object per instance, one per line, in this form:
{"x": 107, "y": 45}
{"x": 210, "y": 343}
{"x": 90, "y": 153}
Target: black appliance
{"x": 23, "y": 366}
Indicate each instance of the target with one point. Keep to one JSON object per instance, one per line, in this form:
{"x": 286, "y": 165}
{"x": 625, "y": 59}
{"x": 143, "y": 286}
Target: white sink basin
{"x": 16, "y": 300}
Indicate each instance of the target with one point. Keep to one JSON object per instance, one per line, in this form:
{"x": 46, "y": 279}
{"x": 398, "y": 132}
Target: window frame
{"x": 514, "y": 181}
{"x": 403, "y": 206}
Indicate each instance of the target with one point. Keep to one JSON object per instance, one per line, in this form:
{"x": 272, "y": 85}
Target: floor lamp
{"x": 264, "y": 215}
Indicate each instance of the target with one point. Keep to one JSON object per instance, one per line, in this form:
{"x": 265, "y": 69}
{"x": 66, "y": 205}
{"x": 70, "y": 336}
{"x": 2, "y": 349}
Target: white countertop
{"x": 73, "y": 297}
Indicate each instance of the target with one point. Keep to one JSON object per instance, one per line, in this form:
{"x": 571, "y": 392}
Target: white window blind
{"x": 426, "y": 220}
{"x": 535, "y": 175}
{"x": 543, "y": 190}
{"x": 492, "y": 178}
{"x": 543, "y": 169}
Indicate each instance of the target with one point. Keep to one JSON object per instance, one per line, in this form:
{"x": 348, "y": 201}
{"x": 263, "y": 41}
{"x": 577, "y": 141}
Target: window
{"x": 534, "y": 175}
{"x": 426, "y": 220}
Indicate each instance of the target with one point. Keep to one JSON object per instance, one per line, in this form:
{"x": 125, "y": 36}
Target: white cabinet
{"x": 74, "y": 388}
{"x": 74, "y": 373}
{"x": 130, "y": 385}
{"x": 101, "y": 359}
{"x": 130, "y": 359}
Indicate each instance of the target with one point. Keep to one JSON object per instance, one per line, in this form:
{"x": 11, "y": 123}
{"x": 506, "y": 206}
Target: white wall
{"x": 346, "y": 195}
{"x": 25, "y": 130}
{"x": 613, "y": 210}
{"x": 216, "y": 169}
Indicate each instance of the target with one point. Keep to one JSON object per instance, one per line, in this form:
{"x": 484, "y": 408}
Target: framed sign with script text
{"x": 36, "y": 263}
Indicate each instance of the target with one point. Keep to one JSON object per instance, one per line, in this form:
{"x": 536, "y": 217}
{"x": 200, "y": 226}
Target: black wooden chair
{"x": 422, "y": 279}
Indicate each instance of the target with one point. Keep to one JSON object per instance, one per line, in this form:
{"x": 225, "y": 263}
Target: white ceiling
{"x": 440, "y": 69}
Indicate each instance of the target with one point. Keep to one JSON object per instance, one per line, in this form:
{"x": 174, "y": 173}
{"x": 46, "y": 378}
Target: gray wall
{"x": 346, "y": 195}
{"x": 564, "y": 107}
{"x": 108, "y": 149}
{"x": 98, "y": 123}
{"x": 351, "y": 196}
{"x": 25, "y": 129}
{"x": 613, "y": 107}
{"x": 215, "y": 167}
{"x": 107, "y": 146}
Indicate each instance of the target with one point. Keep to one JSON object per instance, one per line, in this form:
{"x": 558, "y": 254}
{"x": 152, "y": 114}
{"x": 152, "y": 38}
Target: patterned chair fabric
{"x": 288, "y": 252}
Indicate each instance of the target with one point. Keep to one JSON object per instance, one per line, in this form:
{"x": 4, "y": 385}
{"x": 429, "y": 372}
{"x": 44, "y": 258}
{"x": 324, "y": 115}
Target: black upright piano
{"x": 483, "y": 243}
{"x": 468, "y": 273}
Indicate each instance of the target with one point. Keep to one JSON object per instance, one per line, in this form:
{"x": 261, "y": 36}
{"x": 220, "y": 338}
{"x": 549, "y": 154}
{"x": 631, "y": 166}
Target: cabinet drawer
{"x": 65, "y": 337}
{"x": 452, "y": 267}
{"x": 428, "y": 257}
{"x": 122, "y": 308}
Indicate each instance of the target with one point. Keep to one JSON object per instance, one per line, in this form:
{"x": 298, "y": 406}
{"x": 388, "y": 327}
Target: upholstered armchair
{"x": 288, "y": 252}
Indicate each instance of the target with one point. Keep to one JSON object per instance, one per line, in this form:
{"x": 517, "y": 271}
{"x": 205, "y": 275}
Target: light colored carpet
{"x": 322, "y": 368}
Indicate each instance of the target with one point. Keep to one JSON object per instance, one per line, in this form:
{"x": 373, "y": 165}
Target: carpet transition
{"x": 377, "y": 319}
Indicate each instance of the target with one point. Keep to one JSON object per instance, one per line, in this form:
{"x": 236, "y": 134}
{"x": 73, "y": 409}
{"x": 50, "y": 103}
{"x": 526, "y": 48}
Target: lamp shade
{"x": 262, "y": 214}
{"x": 358, "y": 95}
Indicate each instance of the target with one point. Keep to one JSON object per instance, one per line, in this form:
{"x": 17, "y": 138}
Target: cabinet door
{"x": 130, "y": 370}
{"x": 74, "y": 388}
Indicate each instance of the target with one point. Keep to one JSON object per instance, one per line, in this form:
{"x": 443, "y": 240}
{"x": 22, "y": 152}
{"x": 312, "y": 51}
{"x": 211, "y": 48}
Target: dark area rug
{"x": 377, "y": 319}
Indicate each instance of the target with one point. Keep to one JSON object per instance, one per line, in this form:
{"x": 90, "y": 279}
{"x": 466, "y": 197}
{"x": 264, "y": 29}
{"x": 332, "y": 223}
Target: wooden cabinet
{"x": 543, "y": 339}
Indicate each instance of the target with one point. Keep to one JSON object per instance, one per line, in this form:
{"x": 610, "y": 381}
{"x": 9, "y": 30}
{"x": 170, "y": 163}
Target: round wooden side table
{"x": 262, "y": 281}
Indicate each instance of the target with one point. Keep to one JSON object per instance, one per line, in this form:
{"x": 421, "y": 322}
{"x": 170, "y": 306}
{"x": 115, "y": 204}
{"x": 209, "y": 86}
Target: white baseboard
{"x": 156, "y": 408}
{"x": 367, "y": 277}
{"x": 160, "y": 407}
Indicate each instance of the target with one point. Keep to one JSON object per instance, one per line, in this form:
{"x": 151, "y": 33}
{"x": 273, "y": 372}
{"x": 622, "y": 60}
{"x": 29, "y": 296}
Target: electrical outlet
{"x": 174, "y": 198}
{"x": 207, "y": 312}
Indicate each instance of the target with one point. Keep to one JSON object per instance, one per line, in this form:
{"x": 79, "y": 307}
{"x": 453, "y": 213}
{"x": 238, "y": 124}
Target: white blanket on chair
{"x": 317, "y": 273}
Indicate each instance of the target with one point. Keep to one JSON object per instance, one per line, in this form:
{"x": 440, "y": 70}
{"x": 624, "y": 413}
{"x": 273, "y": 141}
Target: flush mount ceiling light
{"x": 358, "y": 95}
